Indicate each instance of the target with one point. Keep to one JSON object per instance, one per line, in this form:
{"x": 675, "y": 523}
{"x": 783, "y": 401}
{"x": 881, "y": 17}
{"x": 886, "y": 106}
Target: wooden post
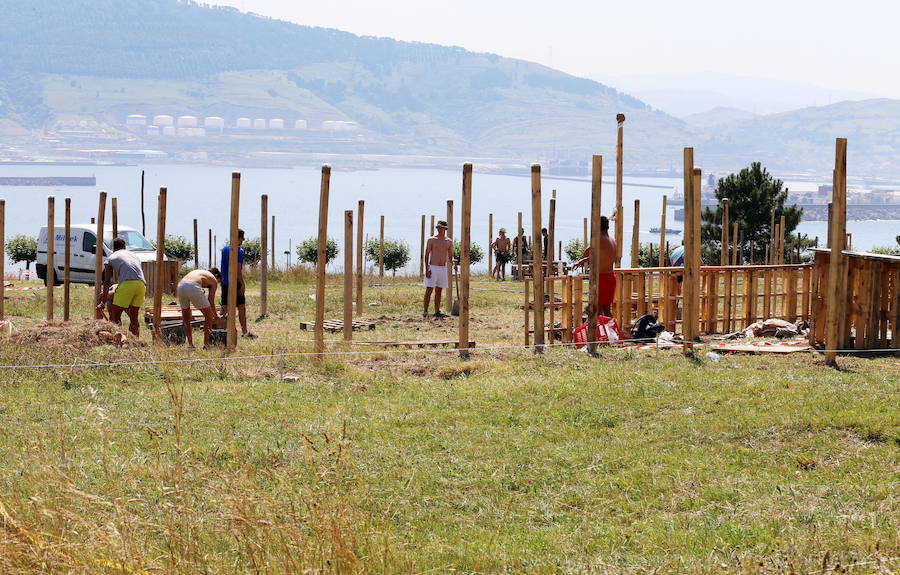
{"x": 725, "y": 224}
{"x": 67, "y": 260}
{"x": 740, "y": 250}
{"x": 98, "y": 249}
{"x": 231, "y": 323}
{"x": 781, "y": 241}
{"x": 691, "y": 266}
{"x": 830, "y": 210}
{"x": 465, "y": 243}
{"x": 551, "y": 236}
{"x": 836, "y": 226}
{"x": 536, "y": 259}
{"x": 273, "y": 242}
{"x": 359, "y": 257}
{"x": 490, "y": 240}
{"x": 3, "y": 258}
{"x": 772, "y": 237}
{"x": 698, "y": 260}
{"x": 319, "y": 337}
{"x": 450, "y": 219}
{"x": 635, "y": 236}
{"x": 161, "y": 266}
{"x": 197, "y": 247}
{"x": 585, "y": 242}
{"x": 775, "y": 257}
{"x": 519, "y": 255}
{"x": 736, "y": 240}
{"x": 51, "y": 255}
{"x": 348, "y": 274}
{"x": 620, "y": 216}
{"x": 143, "y": 215}
{"x": 115, "y": 218}
{"x": 431, "y": 233}
{"x": 422, "y": 251}
{"x": 381, "y": 250}
{"x": 594, "y": 285}
{"x": 209, "y": 259}
{"x": 263, "y": 255}
{"x": 662, "y": 234}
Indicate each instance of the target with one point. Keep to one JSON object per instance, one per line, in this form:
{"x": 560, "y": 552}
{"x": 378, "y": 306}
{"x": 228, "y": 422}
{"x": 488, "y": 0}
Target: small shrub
{"x": 22, "y": 248}
{"x": 396, "y": 253}
{"x": 575, "y": 250}
{"x": 476, "y": 254}
{"x": 308, "y": 251}
{"x": 178, "y": 248}
{"x": 251, "y": 251}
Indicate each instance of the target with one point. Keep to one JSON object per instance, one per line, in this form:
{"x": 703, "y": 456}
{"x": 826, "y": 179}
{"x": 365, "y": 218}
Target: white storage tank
{"x": 136, "y": 120}
{"x": 163, "y": 120}
{"x": 213, "y": 123}
{"x": 187, "y": 121}
{"x": 152, "y": 130}
{"x": 244, "y": 123}
{"x": 276, "y": 124}
{"x": 168, "y": 130}
{"x": 300, "y": 125}
{"x": 259, "y": 124}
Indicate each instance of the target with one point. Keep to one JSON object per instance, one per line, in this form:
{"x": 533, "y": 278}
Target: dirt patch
{"x": 75, "y": 335}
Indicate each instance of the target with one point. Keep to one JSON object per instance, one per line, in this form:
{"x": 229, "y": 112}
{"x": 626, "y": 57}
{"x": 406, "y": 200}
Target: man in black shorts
{"x": 240, "y": 301}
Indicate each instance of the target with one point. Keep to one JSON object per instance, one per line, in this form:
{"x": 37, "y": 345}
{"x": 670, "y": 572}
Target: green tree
{"x": 251, "y": 251}
{"x": 178, "y": 248}
{"x": 476, "y": 254}
{"x": 308, "y": 250}
{"x": 22, "y": 248}
{"x": 396, "y": 253}
{"x": 574, "y": 250}
{"x": 753, "y": 194}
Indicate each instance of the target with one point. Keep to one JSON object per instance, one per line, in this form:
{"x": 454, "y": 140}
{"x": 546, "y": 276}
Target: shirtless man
{"x": 606, "y": 292}
{"x": 438, "y": 255}
{"x": 501, "y": 247}
{"x": 190, "y": 291}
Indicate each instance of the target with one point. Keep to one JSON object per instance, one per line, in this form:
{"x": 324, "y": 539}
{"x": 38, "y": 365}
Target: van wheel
{"x": 41, "y": 270}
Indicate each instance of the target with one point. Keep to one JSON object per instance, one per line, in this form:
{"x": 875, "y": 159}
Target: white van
{"x": 83, "y": 239}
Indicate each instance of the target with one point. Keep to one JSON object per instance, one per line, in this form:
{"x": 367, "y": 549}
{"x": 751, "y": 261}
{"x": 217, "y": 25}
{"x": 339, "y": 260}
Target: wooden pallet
{"x": 173, "y": 313}
{"x": 749, "y": 348}
{"x": 337, "y": 325}
{"x": 414, "y": 344}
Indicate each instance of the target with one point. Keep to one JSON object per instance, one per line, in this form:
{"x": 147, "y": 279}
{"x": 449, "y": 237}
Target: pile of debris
{"x": 75, "y": 335}
{"x": 772, "y": 328}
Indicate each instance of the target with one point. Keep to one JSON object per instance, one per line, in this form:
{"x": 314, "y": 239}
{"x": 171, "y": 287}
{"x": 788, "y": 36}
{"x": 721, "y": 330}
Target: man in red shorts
{"x": 606, "y": 292}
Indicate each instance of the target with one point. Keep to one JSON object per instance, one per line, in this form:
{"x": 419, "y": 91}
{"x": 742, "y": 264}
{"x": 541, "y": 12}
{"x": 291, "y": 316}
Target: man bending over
{"x": 132, "y": 287}
{"x": 190, "y": 291}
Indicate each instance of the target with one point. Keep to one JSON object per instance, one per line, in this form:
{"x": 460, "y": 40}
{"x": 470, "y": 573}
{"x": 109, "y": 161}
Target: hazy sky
{"x": 850, "y": 45}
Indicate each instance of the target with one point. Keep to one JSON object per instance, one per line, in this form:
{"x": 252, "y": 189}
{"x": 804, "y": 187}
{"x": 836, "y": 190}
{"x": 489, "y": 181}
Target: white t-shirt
{"x": 127, "y": 266}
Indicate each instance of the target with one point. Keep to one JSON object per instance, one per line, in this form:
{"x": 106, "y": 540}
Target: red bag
{"x": 607, "y": 332}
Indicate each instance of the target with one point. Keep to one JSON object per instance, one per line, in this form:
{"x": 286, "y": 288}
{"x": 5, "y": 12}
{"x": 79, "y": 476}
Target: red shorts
{"x": 606, "y": 291}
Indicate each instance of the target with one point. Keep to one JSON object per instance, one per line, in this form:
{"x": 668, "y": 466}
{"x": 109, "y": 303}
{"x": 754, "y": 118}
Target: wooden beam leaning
{"x": 319, "y": 331}
{"x": 231, "y": 321}
{"x": 465, "y": 244}
{"x": 689, "y": 313}
{"x": 725, "y": 224}
{"x": 348, "y": 274}
{"x": 263, "y": 255}
{"x": 620, "y": 219}
{"x": 536, "y": 259}
{"x": 594, "y": 285}
{"x": 359, "y": 257}
{"x": 67, "y": 260}
{"x": 51, "y": 255}
{"x": 836, "y": 242}
{"x": 160, "y": 266}
{"x": 98, "y": 254}
{"x": 662, "y": 234}
{"x": 635, "y": 236}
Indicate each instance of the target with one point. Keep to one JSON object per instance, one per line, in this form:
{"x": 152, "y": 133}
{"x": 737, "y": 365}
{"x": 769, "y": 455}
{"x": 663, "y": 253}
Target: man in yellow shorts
{"x": 129, "y": 296}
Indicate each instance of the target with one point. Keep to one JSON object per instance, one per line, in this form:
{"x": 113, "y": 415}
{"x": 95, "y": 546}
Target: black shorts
{"x": 240, "y": 298}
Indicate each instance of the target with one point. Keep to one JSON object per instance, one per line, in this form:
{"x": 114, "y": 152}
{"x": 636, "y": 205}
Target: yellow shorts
{"x": 130, "y": 294}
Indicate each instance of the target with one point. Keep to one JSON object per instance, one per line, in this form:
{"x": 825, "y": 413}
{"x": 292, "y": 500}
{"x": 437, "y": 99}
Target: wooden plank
{"x": 806, "y": 293}
{"x": 691, "y": 265}
{"x": 263, "y": 254}
{"x": 836, "y": 240}
{"x": 348, "y": 273}
{"x": 763, "y": 349}
{"x": 324, "y": 190}
{"x": 641, "y": 290}
{"x": 873, "y": 305}
{"x": 360, "y": 304}
{"x": 536, "y": 256}
{"x": 159, "y": 284}
{"x": 51, "y": 254}
{"x": 98, "y": 252}
{"x": 620, "y": 213}
{"x": 526, "y": 307}
{"x": 895, "y": 309}
{"x": 414, "y": 344}
{"x": 635, "y": 236}
{"x": 791, "y": 296}
{"x": 726, "y": 303}
{"x": 662, "y": 234}
{"x": 464, "y": 259}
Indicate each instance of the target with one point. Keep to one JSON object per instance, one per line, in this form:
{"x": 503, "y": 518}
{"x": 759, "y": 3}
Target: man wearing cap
{"x": 501, "y": 255}
{"x": 438, "y": 255}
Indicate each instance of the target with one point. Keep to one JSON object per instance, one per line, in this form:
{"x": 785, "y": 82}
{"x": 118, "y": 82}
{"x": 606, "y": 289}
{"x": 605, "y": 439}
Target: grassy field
{"x": 382, "y": 462}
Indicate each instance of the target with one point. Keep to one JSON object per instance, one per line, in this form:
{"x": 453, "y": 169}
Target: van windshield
{"x": 134, "y": 240}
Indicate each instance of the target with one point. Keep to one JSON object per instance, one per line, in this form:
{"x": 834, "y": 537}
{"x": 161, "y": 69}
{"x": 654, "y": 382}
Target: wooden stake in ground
{"x": 98, "y": 251}
{"x": 51, "y": 256}
{"x": 520, "y": 256}
{"x": 464, "y": 260}
{"x": 67, "y": 259}
{"x": 551, "y": 237}
{"x": 143, "y": 216}
{"x": 115, "y": 218}
{"x": 3, "y": 258}
{"x": 536, "y": 268}
{"x": 585, "y": 238}
{"x": 594, "y": 282}
{"x": 662, "y": 234}
{"x": 698, "y": 260}
{"x": 381, "y": 251}
{"x": 781, "y": 241}
{"x": 690, "y": 265}
{"x": 209, "y": 244}
{"x": 737, "y": 244}
{"x": 319, "y": 332}
{"x": 839, "y": 209}
{"x": 432, "y": 226}
{"x": 359, "y": 257}
{"x": 775, "y": 246}
{"x": 231, "y": 322}
{"x": 450, "y": 219}
{"x": 197, "y": 246}
{"x": 263, "y": 255}
{"x": 422, "y": 250}
{"x": 348, "y": 273}
{"x": 635, "y": 236}
{"x": 620, "y": 231}
{"x": 772, "y": 237}
{"x": 272, "y": 240}
{"x": 725, "y": 229}
{"x": 490, "y": 241}
{"x": 161, "y": 266}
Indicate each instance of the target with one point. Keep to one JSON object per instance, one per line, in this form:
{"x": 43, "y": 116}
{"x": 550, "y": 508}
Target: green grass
{"x": 415, "y": 462}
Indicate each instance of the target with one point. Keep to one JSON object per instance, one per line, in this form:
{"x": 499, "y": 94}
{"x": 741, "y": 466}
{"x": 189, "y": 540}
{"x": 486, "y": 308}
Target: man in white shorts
{"x": 191, "y": 291}
{"x": 438, "y": 255}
